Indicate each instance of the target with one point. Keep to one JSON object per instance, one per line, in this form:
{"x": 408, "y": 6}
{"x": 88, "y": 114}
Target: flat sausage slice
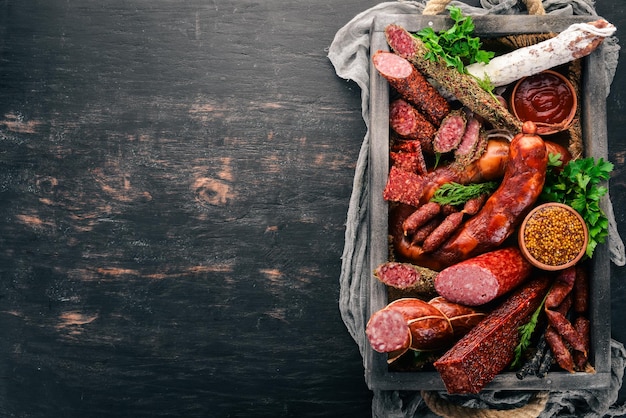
{"x": 483, "y": 278}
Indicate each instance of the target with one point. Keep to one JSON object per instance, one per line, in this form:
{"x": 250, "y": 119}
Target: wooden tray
{"x": 593, "y": 121}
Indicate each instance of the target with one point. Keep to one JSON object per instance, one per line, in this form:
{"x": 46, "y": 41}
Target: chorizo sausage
{"x": 504, "y": 210}
{"x": 483, "y": 278}
{"x": 489, "y": 347}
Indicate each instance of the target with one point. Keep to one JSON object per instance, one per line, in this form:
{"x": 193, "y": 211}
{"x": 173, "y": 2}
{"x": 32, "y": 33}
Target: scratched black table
{"x": 174, "y": 179}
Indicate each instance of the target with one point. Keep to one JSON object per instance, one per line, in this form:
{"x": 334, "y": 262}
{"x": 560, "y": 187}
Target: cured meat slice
{"x": 406, "y": 276}
{"x": 450, "y": 133}
{"x": 409, "y": 123}
{"x": 403, "y": 186}
{"x": 411, "y": 85}
{"x": 489, "y": 347}
{"x": 483, "y": 278}
{"x": 409, "y": 161}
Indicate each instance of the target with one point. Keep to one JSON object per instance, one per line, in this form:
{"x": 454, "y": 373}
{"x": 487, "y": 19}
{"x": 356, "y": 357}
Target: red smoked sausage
{"x": 483, "y": 278}
{"x": 522, "y": 184}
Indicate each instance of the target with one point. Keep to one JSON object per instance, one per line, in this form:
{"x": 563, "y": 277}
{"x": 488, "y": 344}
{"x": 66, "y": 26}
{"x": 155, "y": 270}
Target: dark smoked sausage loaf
{"x": 489, "y": 347}
{"x": 483, "y": 278}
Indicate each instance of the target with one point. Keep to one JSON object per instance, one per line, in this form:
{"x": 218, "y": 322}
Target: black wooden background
{"x": 174, "y": 181}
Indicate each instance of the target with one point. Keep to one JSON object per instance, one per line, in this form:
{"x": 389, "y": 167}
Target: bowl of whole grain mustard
{"x": 553, "y": 236}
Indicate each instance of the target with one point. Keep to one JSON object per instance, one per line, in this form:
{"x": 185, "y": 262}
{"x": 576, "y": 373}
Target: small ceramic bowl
{"x": 548, "y": 99}
{"x": 553, "y": 236}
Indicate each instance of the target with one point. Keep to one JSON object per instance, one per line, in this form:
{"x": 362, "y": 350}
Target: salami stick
{"x": 575, "y": 42}
{"x": 450, "y": 132}
{"x": 411, "y": 85}
{"x": 462, "y": 86}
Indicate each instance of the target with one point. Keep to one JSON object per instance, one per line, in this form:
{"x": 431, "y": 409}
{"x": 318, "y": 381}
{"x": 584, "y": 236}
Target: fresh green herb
{"x": 455, "y": 46}
{"x": 457, "y": 194}
{"x": 576, "y": 185}
{"x": 526, "y": 332}
{"x": 486, "y": 85}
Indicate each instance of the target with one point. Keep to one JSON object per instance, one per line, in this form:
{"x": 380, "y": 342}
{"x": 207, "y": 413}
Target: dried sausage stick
{"x": 581, "y": 291}
{"x": 561, "y": 354}
{"x": 420, "y": 217}
{"x": 473, "y": 142}
{"x": 489, "y": 347}
{"x": 424, "y": 231}
{"x": 411, "y": 85}
{"x": 462, "y": 86}
{"x": 561, "y": 325}
{"x": 443, "y": 231}
{"x": 562, "y": 287}
{"x": 472, "y": 206}
{"x": 582, "y": 326}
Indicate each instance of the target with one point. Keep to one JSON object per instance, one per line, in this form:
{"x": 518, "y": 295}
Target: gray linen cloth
{"x": 349, "y": 54}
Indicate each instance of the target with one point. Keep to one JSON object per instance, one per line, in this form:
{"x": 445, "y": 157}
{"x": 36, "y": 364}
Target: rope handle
{"x": 439, "y": 406}
{"x": 434, "y": 7}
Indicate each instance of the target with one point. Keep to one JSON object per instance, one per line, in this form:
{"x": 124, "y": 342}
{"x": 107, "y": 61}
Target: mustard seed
{"x": 554, "y": 235}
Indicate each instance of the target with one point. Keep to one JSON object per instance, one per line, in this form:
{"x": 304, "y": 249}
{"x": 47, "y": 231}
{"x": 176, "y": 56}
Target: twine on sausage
{"x": 440, "y": 406}
{"x": 434, "y": 7}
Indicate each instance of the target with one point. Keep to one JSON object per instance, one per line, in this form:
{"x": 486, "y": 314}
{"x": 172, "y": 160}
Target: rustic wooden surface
{"x": 174, "y": 179}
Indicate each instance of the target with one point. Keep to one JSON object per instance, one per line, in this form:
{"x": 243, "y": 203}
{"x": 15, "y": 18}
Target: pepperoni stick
{"x": 462, "y": 86}
{"x": 420, "y": 217}
{"x": 411, "y": 85}
{"x": 443, "y": 231}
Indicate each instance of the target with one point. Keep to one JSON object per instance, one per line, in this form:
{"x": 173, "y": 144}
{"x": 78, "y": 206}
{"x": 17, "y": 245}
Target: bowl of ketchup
{"x": 546, "y": 98}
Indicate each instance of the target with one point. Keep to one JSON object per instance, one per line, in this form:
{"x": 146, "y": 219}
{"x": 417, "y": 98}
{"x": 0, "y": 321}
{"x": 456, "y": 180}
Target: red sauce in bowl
{"x": 547, "y": 98}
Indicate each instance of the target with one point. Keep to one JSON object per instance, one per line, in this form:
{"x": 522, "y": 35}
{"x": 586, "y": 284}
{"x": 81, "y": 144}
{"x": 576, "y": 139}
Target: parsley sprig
{"x": 456, "y": 46}
{"x": 526, "y": 333}
{"x": 577, "y": 185}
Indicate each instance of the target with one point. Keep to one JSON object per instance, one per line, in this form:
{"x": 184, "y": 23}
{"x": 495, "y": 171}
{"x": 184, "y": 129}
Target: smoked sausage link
{"x": 489, "y": 347}
{"x": 483, "y": 278}
{"x": 523, "y": 181}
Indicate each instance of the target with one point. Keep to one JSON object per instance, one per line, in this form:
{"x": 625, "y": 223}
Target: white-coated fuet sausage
{"x": 577, "y": 41}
